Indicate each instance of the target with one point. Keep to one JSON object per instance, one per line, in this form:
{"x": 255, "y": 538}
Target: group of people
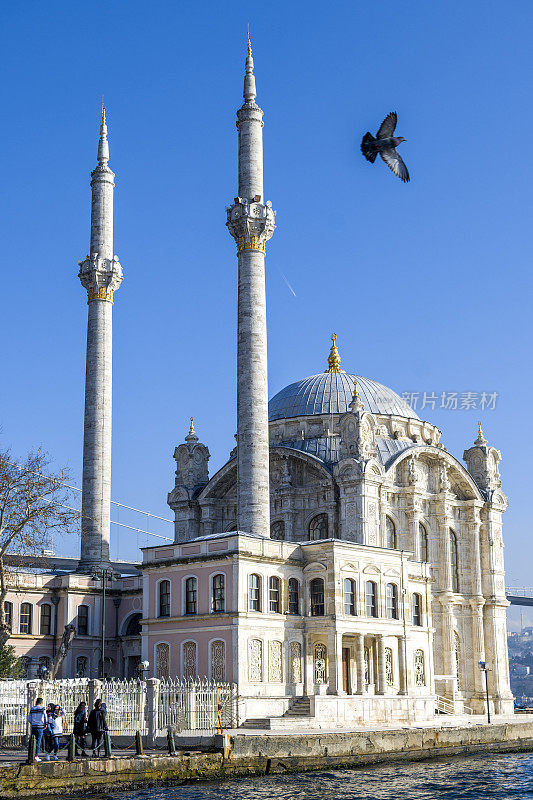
{"x": 47, "y": 728}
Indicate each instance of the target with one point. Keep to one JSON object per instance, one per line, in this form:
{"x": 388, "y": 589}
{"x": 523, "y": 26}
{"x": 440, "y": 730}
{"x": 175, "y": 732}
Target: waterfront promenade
{"x": 240, "y": 753}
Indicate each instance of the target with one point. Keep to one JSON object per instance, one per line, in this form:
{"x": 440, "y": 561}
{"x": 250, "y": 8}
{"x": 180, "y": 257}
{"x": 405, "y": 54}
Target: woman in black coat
{"x": 97, "y": 725}
{"x": 80, "y": 728}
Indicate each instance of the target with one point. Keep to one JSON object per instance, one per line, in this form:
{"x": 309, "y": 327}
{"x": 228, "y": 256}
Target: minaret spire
{"x": 101, "y": 275}
{"x": 251, "y": 222}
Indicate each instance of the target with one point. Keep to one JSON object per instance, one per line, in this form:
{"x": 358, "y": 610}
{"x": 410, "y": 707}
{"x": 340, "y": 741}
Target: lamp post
{"x": 103, "y": 575}
{"x": 483, "y": 667}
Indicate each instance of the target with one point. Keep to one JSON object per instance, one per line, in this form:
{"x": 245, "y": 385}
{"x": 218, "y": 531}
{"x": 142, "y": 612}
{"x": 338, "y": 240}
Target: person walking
{"x": 37, "y": 719}
{"x": 97, "y": 725}
{"x": 55, "y": 724}
{"x": 80, "y": 728}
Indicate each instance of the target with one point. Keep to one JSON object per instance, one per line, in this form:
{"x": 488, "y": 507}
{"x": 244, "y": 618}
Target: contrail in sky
{"x": 287, "y": 282}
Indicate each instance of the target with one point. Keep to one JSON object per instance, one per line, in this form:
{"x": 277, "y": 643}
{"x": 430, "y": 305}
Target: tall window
{"x": 273, "y": 595}
{"x": 218, "y": 602}
{"x": 417, "y": 609}
{"x": 454, "y": 562}
{"x": 317, "y": 597}
{"x": 423, "y": 549}
{"x": 294, "y": 596}
{"x": 392, "y": 601}
{"x": 45, "y": 626}
{"x": 254, "y": 593}
{"x": 191, "y": 593}
{"x": 81, "y": 666}
{"x": 83, "y": 620}
{"x": 371, "y": 599}
{"x": 8, "y": 614}
{"x": 133, "y": 627}
{"x": 277, "y": 530}
{"x": 390, "y": 533}
{"x": 164, "y": 599}
{"x": 318, "y": 527}
{"x": 25, "y": 623}
{"x": 349, "y": 597}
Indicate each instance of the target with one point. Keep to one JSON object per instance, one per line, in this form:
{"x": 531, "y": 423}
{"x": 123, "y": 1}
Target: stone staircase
{"x": 298, "y": 715}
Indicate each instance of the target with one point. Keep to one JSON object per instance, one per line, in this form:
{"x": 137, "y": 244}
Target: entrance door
{"x": 346, "y": 670}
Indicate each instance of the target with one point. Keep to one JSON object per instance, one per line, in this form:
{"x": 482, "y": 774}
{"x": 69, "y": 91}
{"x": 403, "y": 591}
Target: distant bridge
{"x": 520, "y": 597}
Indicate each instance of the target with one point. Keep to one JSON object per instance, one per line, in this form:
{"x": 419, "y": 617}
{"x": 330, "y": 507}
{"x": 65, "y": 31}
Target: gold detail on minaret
{"x": 249, "y": 46}
{"x": 100, "y": 294}
{"x": 103, "y": 114}
{"x": 334, "y": 359}
{"x": 254, "y": 244}
{"x": 191, "y": 428}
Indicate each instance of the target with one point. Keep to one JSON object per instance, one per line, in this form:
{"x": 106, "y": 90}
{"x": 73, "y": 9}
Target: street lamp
{"x": 483, "y": 667}
{"x": 105, "y": 574}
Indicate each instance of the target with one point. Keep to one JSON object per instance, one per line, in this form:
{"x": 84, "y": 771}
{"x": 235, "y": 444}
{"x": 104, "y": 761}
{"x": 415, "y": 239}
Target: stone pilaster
{"x": 402, "y": 663}
{"x": 360, "y": 662}
{"x": 381, "y": 667}
{"x": 101, "y": 275}
{"x": 251, "y": 223}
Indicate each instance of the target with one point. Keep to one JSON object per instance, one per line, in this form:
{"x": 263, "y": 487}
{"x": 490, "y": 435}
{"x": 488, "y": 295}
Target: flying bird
{"x": 385, "y": 144}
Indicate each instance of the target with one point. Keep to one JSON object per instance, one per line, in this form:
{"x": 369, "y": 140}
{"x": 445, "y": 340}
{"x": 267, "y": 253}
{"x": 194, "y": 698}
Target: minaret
{"x": 251, "y": 223}
{"x": 101, "y": 275}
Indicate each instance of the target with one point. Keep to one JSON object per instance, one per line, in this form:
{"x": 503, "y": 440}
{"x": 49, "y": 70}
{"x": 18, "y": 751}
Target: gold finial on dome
{"x": 355, "y": 390}
{"x": 479, "y": 430}
{"x": 334, "y": 359}
{"x": 191, "y": 428}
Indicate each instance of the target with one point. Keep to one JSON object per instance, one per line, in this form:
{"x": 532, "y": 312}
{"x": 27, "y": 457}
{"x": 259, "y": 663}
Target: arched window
{"x": 45, "y": 664}
{"x": 390, "y": 534}
{"x": 164, "y": 599}
{"x": 81, "y": 666}
{"x": 277, "y": 530}
{"x": 317, "y": 597}
{"x": 133, "y": 627}
{"x": 191, "y": 594}
{"x": 190, "y": 668}
{"x": 274, "y": 600}
{"x": 318, "y": 527}
{"x": 25, "y": 662}
{"x": 417, "y": 609}
{"x": 218, "y": 594}
{"x": 162, "y": 660}
{"x": 45, "y": 624}
{"x": 454, "y": 562}
{"x": 218, "y": 660}
{"x": 254, "y": 593}
{"x": 371, "y": 599}
{"x": 349, "y": 597}
{"x": 294, "y": 596}
{"x": 83, "y": 620}
{"x": 26, "y": 615}
{"x": 392, "y": 601}
{"x": 8, "y": 615}
{"x": 423, "y": 549}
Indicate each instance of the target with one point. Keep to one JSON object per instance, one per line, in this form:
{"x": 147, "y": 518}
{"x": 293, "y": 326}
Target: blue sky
{"x": 427, "y": 284}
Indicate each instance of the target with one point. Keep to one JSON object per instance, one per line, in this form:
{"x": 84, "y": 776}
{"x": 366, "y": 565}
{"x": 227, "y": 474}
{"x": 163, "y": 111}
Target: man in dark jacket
{"x": 97, "y": 725}
{"x": 37, "y": 720}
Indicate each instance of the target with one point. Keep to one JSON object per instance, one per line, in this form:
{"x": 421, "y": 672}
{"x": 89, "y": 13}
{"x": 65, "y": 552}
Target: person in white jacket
{"x": 55, "y": 725}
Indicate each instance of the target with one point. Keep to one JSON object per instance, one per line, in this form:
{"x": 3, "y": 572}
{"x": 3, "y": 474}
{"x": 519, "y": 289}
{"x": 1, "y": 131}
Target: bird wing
{"x": 394, "y": 161}
{"x": 387, "y": 126}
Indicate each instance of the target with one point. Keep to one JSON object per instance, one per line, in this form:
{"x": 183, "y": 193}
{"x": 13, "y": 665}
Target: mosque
{"x": 342, "y": 566}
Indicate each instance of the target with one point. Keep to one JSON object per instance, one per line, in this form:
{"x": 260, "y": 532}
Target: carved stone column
{"x": 360, "y": 662}
{"x": 382, "y": 674}
{"x": 402, "y": 662}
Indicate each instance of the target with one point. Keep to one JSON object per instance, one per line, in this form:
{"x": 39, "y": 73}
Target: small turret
{"x": 482, "y": 463}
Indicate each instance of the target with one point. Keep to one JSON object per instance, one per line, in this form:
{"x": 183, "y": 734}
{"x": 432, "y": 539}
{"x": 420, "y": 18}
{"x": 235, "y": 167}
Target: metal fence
{"x": 199, "y": 705}
{"x": 151, "y": 707}
{"x": 126, "y": 706}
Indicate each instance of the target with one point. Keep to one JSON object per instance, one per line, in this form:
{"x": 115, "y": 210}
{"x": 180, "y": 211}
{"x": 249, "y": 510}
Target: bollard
{"x": 139, "y": 744}
{"x": 32, "y": 746}
{"x": 107, "y": 745}
{"x": 71, "y": 748}
{"x": 171, "y": 743}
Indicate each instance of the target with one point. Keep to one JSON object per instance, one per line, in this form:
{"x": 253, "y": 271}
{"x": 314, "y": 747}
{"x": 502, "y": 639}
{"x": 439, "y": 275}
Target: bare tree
{"x": 34, "y": 502}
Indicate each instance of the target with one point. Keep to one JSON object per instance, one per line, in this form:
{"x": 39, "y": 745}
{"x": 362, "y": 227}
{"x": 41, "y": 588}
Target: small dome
{"x": 332, "y": 393}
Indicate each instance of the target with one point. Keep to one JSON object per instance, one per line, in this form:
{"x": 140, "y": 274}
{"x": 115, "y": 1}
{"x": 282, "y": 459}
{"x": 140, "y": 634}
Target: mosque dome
{"x": 331, "y": 392}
